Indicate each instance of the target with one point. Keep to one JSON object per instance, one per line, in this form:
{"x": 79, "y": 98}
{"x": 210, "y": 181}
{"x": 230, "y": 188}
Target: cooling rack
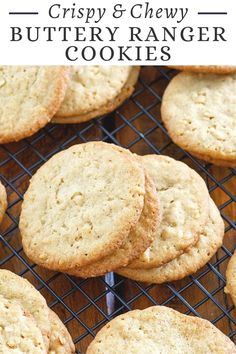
{"x": 86, "y": 305}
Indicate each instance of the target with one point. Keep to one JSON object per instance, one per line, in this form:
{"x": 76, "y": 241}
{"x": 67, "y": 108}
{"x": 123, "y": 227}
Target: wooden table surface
{"x": 85, "y": 305}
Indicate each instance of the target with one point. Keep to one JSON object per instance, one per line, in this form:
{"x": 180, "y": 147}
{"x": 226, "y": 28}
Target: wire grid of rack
{"x": 86, "y": 305}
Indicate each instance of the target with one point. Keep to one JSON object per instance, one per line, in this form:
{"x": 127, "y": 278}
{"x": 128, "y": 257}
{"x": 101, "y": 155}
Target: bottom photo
{"x": 117, "y": 209}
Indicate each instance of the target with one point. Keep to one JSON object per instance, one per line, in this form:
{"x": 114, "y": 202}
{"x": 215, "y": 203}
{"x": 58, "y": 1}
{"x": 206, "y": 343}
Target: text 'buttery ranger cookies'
{"x": 124, "y": 32}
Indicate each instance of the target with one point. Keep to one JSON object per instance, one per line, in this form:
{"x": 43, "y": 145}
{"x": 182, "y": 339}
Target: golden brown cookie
{"x": 3, "y": 201}
{"x": 184, "y": 206}
{"x": 60, "y": 339}
{"x": 217, "y": 162}
{"x": 160, "y": 330}
{"x": 189, "y": 262}
{"x": 231, "y": 278}
{"x": 214, "y": 69}
{"x": 17, "y": 289}
{"x": 29, "y": 98}
{"x": 95, "y": 91}
{"x": 199, "y": 112}
{"x": 18, "y": 330}
{"x": 85, "y": 200}
{"x": 138, "y": 240}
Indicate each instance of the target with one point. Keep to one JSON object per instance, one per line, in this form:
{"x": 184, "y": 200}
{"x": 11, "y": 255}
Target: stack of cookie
{"x": 99, "y": 208}
{"x": 159, "y": 329}
{"x": 199, "y": 112}
{"x": 89, "y": 210}
{"x": 27, "y": 325}
{"x": 30, "y": 96}
{"x": 191, "y": 230}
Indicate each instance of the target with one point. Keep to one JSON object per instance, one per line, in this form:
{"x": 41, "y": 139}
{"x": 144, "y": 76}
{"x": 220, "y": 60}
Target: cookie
{"x": 217, "y": 162}
{"x": 3, "y": 201}
{"x": 95, "y": 91}
{"x": 138, "y": 240}
{"x": 231, "y": 278}
{"x": 214, "y": 69}
{"x": 29, "y": 98}
{"x": 85, "y": 200}
{"x": 184, "y": 205}
{"x": 199, "y": 112}
{"x": 18, "y": 330}
{"x": 15, "y": 288}
{"x": 190, "y": 262}
{"x": 160, "y": 329}
{"x": 60, "y": 339}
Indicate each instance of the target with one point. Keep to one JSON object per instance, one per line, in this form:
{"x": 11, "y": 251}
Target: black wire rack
{"x": 86, "y": 305}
